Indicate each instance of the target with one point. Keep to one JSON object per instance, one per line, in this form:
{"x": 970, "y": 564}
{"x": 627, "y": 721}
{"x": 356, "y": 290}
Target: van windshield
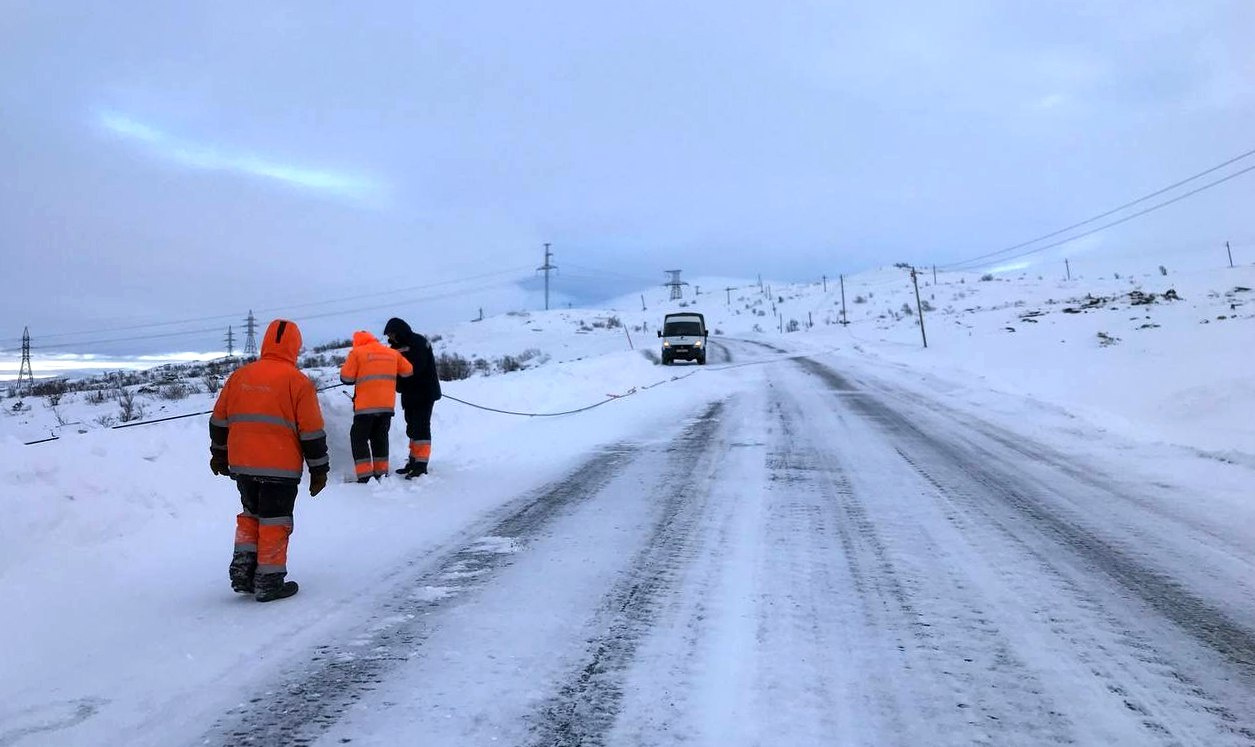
{"x": 676, "y": 329}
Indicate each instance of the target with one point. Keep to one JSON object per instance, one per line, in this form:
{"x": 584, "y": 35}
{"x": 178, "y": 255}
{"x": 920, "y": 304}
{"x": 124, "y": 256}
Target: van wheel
{"x": 701, "y": 361}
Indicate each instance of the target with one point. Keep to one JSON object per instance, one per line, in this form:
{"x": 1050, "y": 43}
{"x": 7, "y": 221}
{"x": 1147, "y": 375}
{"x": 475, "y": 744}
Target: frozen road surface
{"x": 818, "y": 559}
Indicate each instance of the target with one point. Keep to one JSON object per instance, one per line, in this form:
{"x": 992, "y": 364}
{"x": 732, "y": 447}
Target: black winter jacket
{"x": 424, "y": 385}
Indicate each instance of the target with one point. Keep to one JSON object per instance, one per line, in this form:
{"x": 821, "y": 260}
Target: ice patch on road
{"x": 497, "y": 545}
{"x": 433, "y": 593}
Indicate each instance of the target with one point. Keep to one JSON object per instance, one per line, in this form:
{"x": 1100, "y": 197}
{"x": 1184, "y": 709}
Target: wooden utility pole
{"x": 1230, "y": 251}
{"x": 729, "y": 292}
{"x": 643, "y": 302}
{"x": 934, "y": 274}
{"x": 844, "y": 320}
{"x": 825, "y": 283}
{"x": 919, "y": 306}
{"x": 1068, "y": 265}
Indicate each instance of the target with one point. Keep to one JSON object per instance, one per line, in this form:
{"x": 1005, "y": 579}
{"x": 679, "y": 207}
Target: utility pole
{"x": 825, "y": 283}
{"x": 760, "y": 281}
{"x": 810, "y": 320}
{"x": 643, "y": 302}
{"x": 546, "y": 267}
{"x": 250, "y": 339}
{"x": 230, "y": 340}
{"x": 1230, "y": 251}
{"x": 728, "y": 290}
{"x": 481, "y": 314}
{"x": 919, "y": 307}
{"x": 844, "y": 321}
{"x": 698, "y": 289}
{"x": 1068, "y": 265}
{"x": 934, "y": 274}
{"x": 675, "y": 284}
{"x": 24, "y": 372}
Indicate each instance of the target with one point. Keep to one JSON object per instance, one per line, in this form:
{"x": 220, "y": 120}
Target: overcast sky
{"x": 187, "y": 161}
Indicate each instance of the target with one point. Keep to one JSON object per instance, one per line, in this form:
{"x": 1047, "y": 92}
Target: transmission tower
{"x": 250, "y": 339}
{"x": 675, "y": 284}
{"x": 546, "y": 267}
{"x": 230, "y": 340}
{"x": 24, "y": 372}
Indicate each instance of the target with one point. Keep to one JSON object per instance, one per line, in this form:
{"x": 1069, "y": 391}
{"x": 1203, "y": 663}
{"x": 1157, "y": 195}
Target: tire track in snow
{"x": 1101, "y": 640}
{"x": 1088, "y": 474}
{"x": 936, "y": 632}
{"x": 988, "y": 486}
{"x": 586, "y": 705}
{"x": 748, "y": 648}
{"x": 311, "y": 697}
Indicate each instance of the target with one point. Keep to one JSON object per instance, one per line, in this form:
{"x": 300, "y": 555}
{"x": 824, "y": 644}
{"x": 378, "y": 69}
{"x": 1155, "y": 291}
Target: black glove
{"x": 317, "y": 481}
{"x": 218, "y": 464}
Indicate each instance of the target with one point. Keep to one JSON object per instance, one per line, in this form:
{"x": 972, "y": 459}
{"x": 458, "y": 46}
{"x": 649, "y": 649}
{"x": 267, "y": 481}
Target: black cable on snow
{"x": 609, "y": 399}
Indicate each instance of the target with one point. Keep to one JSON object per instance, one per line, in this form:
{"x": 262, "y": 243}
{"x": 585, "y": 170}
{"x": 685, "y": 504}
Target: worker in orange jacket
{"x": 373, "y": 370}
{"x": 265, "y": 426}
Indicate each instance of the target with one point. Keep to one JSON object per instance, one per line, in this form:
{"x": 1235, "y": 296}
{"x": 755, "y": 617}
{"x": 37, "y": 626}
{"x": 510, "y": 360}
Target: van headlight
{"x": 666, "y": 344}
{"x": 697, "y": 344}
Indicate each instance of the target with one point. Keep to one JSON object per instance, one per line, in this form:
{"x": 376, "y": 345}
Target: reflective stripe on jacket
{"x": 373, "y": 370}
{"x": 267, "y": 419}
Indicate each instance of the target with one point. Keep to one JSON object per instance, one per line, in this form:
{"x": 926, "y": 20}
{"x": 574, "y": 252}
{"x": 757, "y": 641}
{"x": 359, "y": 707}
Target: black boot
{"x": 243, "y": 567}
{"x": 271, "y": 586}
{"x": 405, "y": 470}
{"x": 416, "y": 469}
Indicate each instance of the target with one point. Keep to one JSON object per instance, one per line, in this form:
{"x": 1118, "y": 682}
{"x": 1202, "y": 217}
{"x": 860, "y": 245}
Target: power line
{"x": 88, "y": 343}
{"x": 288, "y": 307}
{"x": 1125, "y": 219}
{"x": 1113, "y": 211}
{"x": 612, "y": 273}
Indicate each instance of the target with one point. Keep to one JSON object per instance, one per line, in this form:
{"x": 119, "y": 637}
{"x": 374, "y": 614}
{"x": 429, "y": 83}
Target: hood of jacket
{"x": 362, "y": 337}
{"x": 282, "y": 341}
{"x": 397, "y": 328}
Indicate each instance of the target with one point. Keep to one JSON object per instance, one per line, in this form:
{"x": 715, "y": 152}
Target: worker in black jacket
{"x": 418, "y": 392}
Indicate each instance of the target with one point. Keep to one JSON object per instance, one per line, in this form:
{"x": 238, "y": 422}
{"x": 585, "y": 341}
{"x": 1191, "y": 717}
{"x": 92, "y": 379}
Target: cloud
{"x": 1050, "y": 101}
{"x": 209, "y": 158}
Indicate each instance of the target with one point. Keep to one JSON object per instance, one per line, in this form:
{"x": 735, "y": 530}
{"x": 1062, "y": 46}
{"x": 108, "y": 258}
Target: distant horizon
{"x": 71, "y": 364}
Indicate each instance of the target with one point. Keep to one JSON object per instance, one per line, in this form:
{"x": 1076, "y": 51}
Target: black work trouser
{"x": 418, "y": 418}
{"x": 368, "y": 438}
{"x": 263, "y": 526}
{"x": 267, "y": 499}
{"x": 418, "y": 428}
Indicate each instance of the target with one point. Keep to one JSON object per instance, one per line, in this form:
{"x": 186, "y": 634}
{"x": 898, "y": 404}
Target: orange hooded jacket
{"x": 267, "y": 420}
{"x": 373, "y": 370}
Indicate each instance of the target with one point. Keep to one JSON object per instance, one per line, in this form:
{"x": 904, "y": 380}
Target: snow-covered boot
{"x": 271, "y": 586}
{"x": 416, "y": 469}
{"x": 243, "y": 567}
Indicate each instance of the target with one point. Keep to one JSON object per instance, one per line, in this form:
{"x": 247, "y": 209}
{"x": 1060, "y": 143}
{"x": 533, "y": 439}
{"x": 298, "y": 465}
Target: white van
{"x": 683, "y": 338}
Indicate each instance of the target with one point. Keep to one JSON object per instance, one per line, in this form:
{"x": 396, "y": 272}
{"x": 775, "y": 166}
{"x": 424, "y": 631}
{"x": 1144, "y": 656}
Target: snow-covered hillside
{"x": 114, "y": 546}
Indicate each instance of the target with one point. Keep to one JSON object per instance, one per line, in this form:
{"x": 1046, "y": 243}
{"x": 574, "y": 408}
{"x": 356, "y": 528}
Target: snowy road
{"x": 824, "y": 557}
